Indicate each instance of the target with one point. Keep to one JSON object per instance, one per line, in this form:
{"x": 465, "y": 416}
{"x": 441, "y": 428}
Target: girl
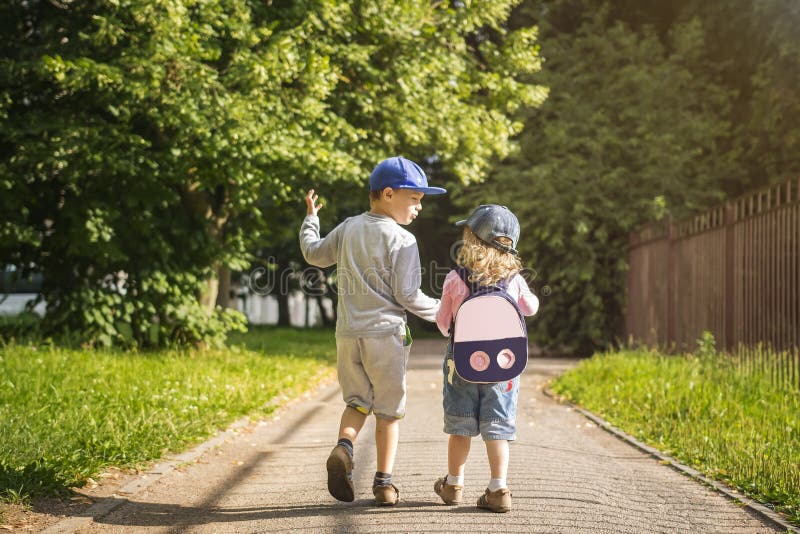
{"x": 489, "y": 255}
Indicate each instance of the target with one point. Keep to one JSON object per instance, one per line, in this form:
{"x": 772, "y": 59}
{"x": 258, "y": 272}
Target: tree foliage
{"x": 757, "y": 46}
{"x": 144, "y": 143}
{"x": 627, "y": 134}
{"x": 655, "y": 109}
{"x": 754, "y": 47}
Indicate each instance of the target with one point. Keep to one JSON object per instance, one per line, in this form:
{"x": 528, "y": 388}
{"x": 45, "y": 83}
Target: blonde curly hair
{"x": 488, "y": 264}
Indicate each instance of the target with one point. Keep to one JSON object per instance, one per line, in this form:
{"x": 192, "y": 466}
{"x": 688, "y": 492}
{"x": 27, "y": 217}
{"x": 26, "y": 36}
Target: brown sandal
{"x": 450, "y": 493}
{"x": 387, "y": 495}
{"x": 496, "y": 501}
{"x": 340, "y": 474}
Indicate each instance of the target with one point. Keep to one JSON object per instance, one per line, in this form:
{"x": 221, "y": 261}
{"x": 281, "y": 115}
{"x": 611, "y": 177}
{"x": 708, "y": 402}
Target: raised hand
{"x": 311, "y": 203}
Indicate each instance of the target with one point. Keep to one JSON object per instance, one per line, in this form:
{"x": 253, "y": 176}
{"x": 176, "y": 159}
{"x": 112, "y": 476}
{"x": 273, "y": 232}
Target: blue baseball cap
{"x": 490, "y": 221}
{"x": 401, "y": 173}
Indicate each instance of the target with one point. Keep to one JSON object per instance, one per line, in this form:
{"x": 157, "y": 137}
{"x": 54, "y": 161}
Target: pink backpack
{"x": 489, "y": 336}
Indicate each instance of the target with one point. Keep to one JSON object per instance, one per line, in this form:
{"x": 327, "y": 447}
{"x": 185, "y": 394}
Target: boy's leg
{"x": 356, "y": 393}
{"x": 340, "y": 461}
{"x": 385, "y": 360}
{"x": 351, "y": 423}
{"x": 387, "y": 434}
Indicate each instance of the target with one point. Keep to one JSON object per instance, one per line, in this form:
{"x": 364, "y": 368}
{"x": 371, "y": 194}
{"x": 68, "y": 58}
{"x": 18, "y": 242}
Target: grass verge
{"x": 732, "y": 424}
{"x": 68, "y": 413}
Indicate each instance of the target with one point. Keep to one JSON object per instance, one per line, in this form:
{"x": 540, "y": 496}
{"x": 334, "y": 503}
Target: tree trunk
{"x": 326, "y": 319}
{"x": 224, "y": 295}
{"x": 208, "y": 295}
{"x": 334, "y": 296}
{"x": 208, "y": 205}
{"x": 283, "y": 309}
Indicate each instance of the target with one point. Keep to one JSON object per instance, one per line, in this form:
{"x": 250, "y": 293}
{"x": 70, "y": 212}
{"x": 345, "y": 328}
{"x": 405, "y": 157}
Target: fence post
{"x": 632, "y": 241}
{"x": 671, "y": 282}
{"x": 730, "y": 279}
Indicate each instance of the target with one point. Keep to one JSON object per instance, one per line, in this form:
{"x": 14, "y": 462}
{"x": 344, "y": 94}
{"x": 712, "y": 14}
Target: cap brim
{"x": 427, "y": 190}
{"x": 461, "y": 223}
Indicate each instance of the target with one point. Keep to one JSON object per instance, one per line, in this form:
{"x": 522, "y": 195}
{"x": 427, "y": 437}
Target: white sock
{"x": 453, "y": 480}
{"x": 497, "y": 483}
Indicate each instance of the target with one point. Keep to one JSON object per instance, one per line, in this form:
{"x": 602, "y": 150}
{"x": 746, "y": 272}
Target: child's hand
{"x": 312, "y": 206}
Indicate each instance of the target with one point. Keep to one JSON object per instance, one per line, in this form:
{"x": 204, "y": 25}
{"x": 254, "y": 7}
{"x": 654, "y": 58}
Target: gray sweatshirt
{"x": 378, "y": 273}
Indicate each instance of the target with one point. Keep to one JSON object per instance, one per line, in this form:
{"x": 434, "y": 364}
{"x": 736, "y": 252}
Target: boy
{"x": 379, "y": 279}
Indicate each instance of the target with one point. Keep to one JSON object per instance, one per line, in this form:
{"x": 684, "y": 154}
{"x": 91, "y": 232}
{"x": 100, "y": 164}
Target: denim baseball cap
{"x": 401, "y": 173}
{"x": 490, "y": 221}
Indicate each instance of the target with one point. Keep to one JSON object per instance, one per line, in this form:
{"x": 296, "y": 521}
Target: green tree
{"x": 757, "y": 47}
{"x": 627, "y": 134}
{"x": 141, "y": 142}
{"x": 754, "y": 47}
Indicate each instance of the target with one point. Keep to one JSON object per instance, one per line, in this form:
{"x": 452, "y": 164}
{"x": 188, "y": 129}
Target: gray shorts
{"x": 372, "y": 374}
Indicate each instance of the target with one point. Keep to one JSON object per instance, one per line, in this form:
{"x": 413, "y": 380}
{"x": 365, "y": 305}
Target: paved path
{"x": 566, "y": 475}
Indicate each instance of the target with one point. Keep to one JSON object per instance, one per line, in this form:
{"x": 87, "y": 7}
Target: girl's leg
{"x": 497, "y": 450}
{"x": 451, "y": 487}
{"x": 497, "y": 497}
{"x": 457, "y": 452}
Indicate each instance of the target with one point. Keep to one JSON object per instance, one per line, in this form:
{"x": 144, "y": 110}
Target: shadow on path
{"x": 154, "y": 514}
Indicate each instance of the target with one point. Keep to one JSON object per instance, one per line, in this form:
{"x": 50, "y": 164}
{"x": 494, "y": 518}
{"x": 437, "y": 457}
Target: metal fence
{"x": 733, "y": 270}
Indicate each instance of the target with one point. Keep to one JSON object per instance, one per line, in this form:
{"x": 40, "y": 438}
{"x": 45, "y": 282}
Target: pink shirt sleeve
{"x": 528, "y": 302}
{"x": 454, "y": 292}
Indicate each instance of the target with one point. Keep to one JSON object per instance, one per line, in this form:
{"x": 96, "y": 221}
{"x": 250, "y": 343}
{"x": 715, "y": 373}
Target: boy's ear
{"x": 387, "y": 193}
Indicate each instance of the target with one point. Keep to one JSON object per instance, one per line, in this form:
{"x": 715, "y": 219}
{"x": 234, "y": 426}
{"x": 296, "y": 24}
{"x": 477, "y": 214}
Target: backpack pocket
{"x": 490, "y": 360}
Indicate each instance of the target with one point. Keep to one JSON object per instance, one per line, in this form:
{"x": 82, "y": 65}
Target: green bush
{"x": 156, "y": 310}
{"x": 22, "y": 326}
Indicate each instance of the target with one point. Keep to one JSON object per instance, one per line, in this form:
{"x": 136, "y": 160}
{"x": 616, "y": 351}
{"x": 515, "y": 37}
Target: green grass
{"x": 65, "y": 413}
{"x": 732, "y": 423}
